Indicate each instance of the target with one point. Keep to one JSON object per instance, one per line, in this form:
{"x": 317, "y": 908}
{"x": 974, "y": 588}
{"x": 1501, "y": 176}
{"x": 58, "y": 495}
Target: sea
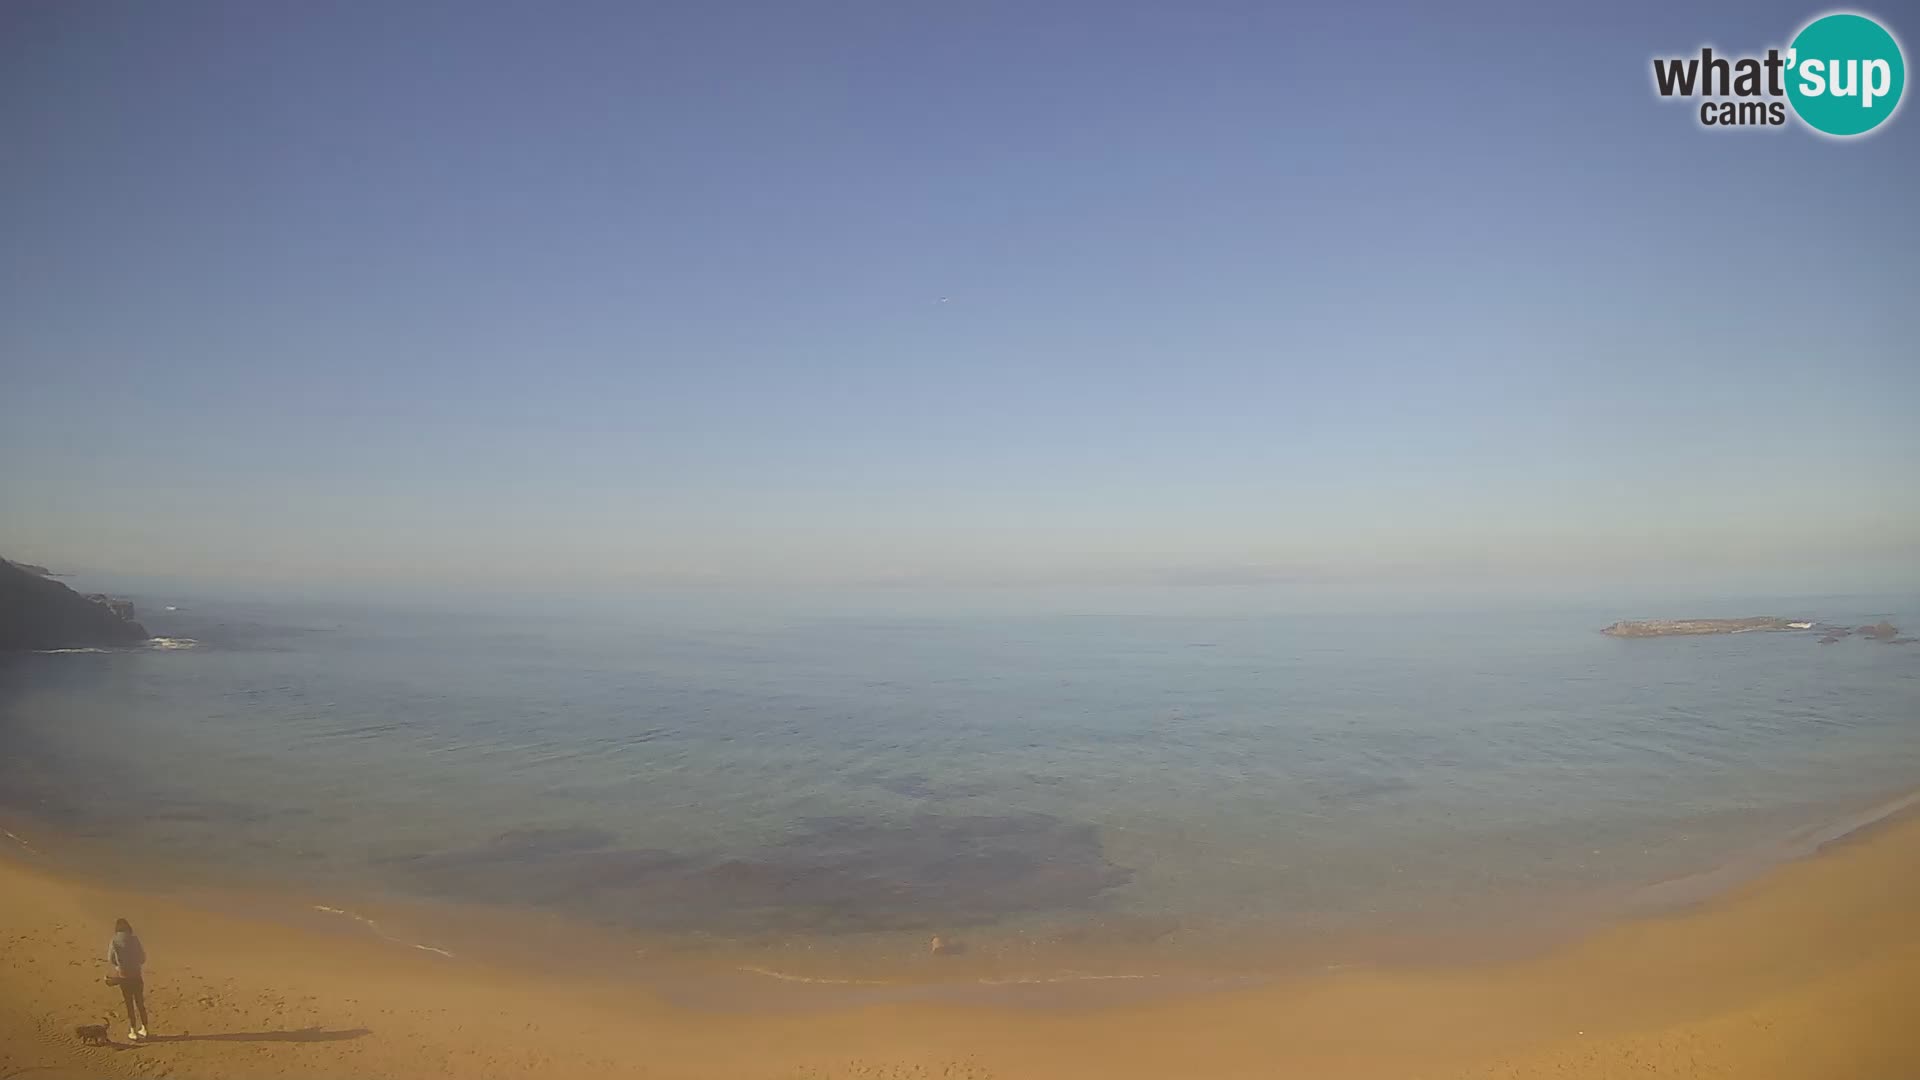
{"x": 823, "y": 785}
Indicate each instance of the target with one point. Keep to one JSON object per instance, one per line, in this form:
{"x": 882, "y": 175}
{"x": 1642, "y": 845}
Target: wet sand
{"x": 1809, "y": 971}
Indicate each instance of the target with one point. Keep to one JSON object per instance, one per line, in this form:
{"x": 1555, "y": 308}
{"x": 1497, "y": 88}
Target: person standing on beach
{"x": 128, "y": 957}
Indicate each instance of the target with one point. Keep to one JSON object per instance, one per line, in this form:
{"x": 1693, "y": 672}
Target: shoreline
{"x": 1802, "y": 972}
{"x": 1105, "y": 956}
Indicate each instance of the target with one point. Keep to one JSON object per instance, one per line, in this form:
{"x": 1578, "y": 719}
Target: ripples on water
{"x": 728, "y": 773}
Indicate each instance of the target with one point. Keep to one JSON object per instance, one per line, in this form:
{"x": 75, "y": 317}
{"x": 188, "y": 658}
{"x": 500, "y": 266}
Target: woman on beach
{"x": 127, "y": 956}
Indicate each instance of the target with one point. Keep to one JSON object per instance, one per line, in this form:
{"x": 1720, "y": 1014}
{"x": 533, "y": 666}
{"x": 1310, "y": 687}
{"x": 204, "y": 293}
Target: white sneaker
{"x": 133, "y": 1034}
{"x": 143, "y": 1031}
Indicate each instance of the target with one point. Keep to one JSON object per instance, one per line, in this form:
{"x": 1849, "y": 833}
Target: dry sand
{"x": 1810, "y": 972}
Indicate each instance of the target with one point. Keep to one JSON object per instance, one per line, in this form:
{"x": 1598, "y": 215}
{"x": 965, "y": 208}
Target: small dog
{"x": 93, "y": 1034}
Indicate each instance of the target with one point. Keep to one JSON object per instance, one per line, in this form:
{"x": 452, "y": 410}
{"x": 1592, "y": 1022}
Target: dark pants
{"x": 135, "y": 992}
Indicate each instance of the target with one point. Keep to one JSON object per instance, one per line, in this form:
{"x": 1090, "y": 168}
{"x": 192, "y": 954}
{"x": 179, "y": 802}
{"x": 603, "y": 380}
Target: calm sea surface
{"x": 691, "y": 765}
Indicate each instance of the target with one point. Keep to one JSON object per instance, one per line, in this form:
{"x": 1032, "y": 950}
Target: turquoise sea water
{"x": 898, "y": 763}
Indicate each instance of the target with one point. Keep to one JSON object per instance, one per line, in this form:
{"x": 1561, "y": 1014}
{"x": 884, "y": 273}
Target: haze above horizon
{"x": 969, "y": 294}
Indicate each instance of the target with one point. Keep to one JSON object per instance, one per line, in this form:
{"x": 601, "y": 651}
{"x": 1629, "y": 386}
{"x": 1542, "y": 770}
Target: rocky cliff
{"x": 40, "y": 613}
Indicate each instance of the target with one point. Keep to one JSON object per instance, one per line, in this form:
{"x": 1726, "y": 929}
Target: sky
{"x": 961, "y": 293}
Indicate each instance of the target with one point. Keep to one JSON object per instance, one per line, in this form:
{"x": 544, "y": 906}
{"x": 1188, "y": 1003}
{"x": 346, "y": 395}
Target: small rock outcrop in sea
{"x": 37, "y": 612}
{"x": 122, "y": 608}
{"x": 1681, "y": 627}
{"x": 1883, "y": 631}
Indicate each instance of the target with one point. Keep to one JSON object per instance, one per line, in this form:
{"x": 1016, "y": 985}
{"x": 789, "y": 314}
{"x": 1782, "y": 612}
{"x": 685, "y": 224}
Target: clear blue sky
{"x": 951, "y": 292}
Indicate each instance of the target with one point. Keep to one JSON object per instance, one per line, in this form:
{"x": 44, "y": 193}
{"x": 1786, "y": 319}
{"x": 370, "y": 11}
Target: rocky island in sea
{"x": 1675, "y": 627}
{"x": 37, "y": 612}
{"x": 1883, "y": 630}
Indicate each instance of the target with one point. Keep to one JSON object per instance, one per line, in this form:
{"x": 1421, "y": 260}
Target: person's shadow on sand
{"x": 312, "y": 1034}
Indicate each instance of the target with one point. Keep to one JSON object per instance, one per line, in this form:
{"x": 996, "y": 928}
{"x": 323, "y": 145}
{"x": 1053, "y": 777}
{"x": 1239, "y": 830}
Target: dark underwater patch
{"x": 841, "y": 874}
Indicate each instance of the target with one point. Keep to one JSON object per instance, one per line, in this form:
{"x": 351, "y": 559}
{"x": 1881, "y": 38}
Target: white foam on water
{"x": 784, "y": 976}
{"x": 362, "y": 919}
{"x": 1047, "y": 980}
{"x": 31, "y": 850}
{"x": 374, "y": 928}
{"x": 152, "y": 643}
{"x": 991, "y": 980}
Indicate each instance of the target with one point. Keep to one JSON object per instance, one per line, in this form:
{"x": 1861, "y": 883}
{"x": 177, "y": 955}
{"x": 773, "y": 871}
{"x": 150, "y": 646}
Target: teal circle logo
{"x": 1845, "y": 74}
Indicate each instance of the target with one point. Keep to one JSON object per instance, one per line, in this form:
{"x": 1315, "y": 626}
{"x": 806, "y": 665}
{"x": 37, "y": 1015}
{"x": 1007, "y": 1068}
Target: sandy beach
{"x": 1808, "y": 972}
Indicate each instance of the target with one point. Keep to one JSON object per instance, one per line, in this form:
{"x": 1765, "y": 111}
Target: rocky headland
{"x": 37, "y": 612}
